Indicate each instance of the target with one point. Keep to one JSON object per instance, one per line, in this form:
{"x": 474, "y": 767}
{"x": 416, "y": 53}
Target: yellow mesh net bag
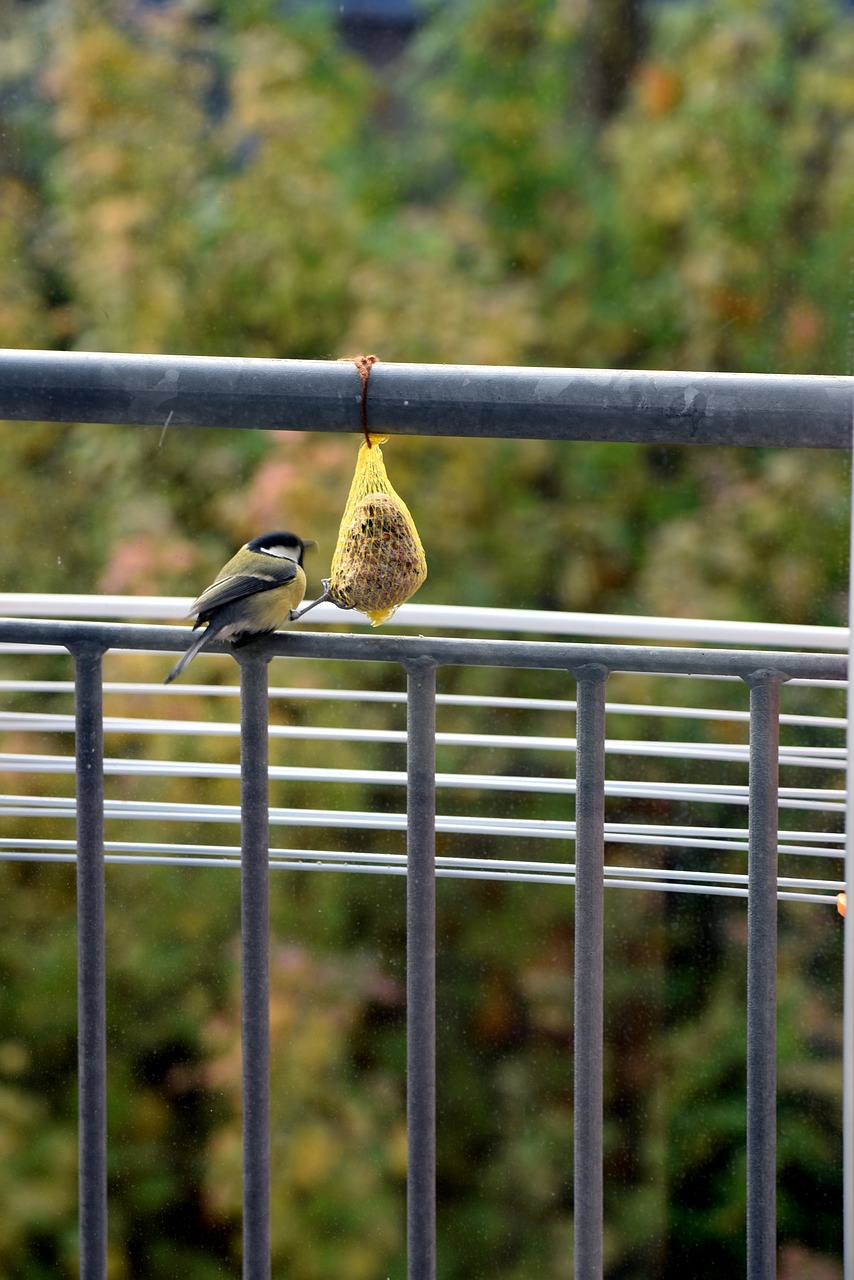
{"x": 378, "y": 561}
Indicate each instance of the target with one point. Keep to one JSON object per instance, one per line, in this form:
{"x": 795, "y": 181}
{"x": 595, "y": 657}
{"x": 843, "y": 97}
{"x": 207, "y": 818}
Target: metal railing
{"x": 590, "y": 665}
{"x": 423, "y": 399}
{"x": 674, "y": 408}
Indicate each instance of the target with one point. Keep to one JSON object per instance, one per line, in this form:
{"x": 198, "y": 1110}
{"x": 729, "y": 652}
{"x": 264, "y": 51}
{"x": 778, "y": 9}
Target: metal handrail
{"x": 644, "y": 406}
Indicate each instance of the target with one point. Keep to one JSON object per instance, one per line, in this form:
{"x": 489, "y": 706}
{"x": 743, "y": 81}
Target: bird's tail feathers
{"x": 187, "y": 658}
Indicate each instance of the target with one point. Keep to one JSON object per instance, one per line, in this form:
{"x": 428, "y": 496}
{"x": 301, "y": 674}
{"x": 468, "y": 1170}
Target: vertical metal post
{"x": 255, "y": 958}
{"x": 421, "y": 971}
{"x": 764, "y": 780}
{"x": 848, "y": 939}
{"x": 91, "y": 966}
{"x": 589, "y": 967}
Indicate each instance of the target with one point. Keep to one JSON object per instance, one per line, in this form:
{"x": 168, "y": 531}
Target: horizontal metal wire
{"x": 803, "y": 798}
{"x": 792, "y": 797}
{"x": 34, "y": 762}
{"x": 459, "y": 617}
{"x": 383, "y": 696}
{"x": 649, "y": 407}
{"x": 728, "y": 884}
{"x": 810, "y": 757}
{"x": 528, "y": 828}
{"x": 725, "y": 838}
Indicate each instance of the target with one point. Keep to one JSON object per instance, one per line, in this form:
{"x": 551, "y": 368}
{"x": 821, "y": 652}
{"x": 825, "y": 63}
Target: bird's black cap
{"x": 280, "y": 538}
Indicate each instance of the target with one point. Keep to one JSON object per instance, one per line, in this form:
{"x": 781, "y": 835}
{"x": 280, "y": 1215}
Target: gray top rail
{"x": 424, "y": 399}
{"x": 441, "y": 651}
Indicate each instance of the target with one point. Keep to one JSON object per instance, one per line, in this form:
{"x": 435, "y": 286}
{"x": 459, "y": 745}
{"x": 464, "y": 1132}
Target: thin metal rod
{"x": 762, "y": 977}
{"x": 91, "y": 967}
{"x": 255, "y": 971}
{"x": 53, "y": 722}
{"x": 455, "y": 617}
{"x": 421, "y": 972}
{"x": 848, "y": 941}
{"x": 58, "y": 722}
{"x": 423, "y": 399}
{"x": 589, "y": 969}
{"x": 805, "y": 799}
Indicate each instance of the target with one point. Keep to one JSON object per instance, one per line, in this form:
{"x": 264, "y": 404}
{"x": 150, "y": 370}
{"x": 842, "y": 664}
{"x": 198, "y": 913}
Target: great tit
{"x": 253, "y": 594}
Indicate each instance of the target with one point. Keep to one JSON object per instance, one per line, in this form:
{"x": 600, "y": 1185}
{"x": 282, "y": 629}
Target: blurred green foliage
{"x": 532, "y": 183}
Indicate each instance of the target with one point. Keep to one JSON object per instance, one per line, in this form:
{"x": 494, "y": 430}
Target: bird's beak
{"x": 308, "y": 543}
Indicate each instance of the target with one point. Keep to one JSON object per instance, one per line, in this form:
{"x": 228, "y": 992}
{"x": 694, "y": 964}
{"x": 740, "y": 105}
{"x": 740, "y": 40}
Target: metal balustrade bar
{"x": 762, "y": 977}
{"x": 437, "y": 400}
{"x": 255, "y": 964}
{"x": 421, "y": 972}
{"x": 443, "y": 650}
{"x": 91, "y": 967}
{"x": 589, "y": 980}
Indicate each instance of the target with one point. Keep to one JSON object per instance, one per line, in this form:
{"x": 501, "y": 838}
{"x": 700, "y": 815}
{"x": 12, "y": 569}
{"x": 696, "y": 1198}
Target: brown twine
{"x": 364, "y": 364}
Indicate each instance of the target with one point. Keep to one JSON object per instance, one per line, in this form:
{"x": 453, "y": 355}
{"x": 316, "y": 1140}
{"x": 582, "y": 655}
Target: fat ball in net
{"x": 378, "y": 561}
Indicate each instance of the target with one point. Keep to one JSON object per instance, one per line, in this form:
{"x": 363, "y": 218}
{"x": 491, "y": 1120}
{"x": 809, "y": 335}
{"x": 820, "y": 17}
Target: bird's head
{"x": 282, "y": 544}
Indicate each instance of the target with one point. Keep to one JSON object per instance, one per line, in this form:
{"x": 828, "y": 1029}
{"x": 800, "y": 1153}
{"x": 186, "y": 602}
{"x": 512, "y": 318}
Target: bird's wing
{"x": 236, "y": 586}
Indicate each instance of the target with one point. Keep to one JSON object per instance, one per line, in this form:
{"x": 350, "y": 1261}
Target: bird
{"x": 253, "y": 594}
